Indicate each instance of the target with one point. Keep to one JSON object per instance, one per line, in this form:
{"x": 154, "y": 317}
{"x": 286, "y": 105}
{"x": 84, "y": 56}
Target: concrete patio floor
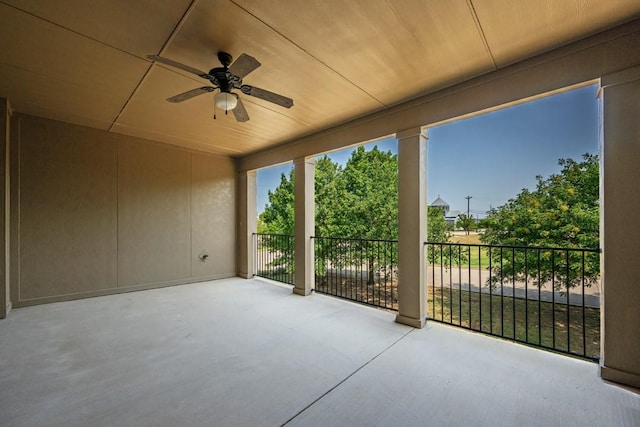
{"x": 237, "y": 352}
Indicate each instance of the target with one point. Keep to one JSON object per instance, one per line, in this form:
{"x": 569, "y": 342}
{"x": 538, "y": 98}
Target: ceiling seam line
{"x": 175, "y": 30}
{"x": 26, "y": 12}
{"x": 186, "y": 147}
{"x": 476, "y": 20}
{"x": 178, "y": 26}
{"x": 310, "y": 55}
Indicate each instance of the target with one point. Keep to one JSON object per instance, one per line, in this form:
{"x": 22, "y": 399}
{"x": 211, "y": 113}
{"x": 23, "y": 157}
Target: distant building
{"x": 439, "y": 203}
{"x": 450, "y": 216}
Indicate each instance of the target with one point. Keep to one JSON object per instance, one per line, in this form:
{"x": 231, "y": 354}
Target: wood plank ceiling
{"x": 85, "y": 62}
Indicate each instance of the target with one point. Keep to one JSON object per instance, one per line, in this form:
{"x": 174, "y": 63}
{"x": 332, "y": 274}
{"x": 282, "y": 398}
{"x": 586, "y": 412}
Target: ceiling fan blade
{"x": 267, "y": 96}
{"x": 244, "y": 65}
{"x": 180, "y": 66}
{"x": 240, "y": 112}
{"x": 191, "y": 93}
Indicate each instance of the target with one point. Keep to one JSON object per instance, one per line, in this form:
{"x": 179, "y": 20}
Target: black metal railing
{"x": 361, "y": 270}
{"x": 542, "y": 296}
{"x": 274, "y": 257}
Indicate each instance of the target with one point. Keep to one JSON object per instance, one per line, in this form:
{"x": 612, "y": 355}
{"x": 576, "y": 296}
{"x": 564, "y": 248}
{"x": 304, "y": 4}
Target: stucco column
{"x": 304, "y": 172}
{"x": 412, "y": 228}
{"x": 619, "y": 231}
{"x": 247, "y": 222}
{"x": 5, "y": 122}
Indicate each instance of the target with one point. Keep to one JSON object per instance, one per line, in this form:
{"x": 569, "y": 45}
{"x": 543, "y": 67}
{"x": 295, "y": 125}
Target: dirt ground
{"x": 461, "y": 237}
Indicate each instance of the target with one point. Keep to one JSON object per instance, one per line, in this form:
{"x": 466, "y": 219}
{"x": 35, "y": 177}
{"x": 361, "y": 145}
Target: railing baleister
{"x": 542, "y": 296}
{"x": 361, "y": 270}
{"x": 547, "y": 297}
{"x": 274, "y": 256}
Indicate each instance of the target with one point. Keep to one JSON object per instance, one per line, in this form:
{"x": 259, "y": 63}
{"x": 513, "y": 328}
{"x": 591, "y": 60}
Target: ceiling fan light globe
{"x": 225, "y": 101}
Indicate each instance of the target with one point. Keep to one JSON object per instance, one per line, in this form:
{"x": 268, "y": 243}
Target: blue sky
{"x": 492, "y": 157}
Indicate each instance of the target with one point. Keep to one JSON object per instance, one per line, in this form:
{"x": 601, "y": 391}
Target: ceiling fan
{"x": 226, "y": 78}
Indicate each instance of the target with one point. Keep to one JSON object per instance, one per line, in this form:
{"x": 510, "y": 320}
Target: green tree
{"x": 329, "y": 196}
{"x": 467, "y": 223}
{"x": 563, "y": 211}
{"x": 260, "y": 226}
{"x": 369, "y": 210}
{"x": 482, "y": 224}
{"x": 370, "y": 204}
{"x": 277, "y": 222}
{"x": 437, "y": 228}
{"x": 359, "y": 201}
{"x": 278, "y": 215}
{"x": 439, "y": 251}
{"x": 438, "y": 231}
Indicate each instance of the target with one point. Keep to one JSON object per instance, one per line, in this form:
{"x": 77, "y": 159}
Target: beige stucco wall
{"x": 153, "y": 213}
{"x": 100, "y": 213}
{"x": 68, "y": 209}
{"x": 213, "y": 216}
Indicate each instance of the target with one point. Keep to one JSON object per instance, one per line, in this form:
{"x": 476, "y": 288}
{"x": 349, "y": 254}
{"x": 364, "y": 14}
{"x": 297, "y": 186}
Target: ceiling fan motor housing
{"x": 225, "y": 79}
{"x": 225, "y": 58}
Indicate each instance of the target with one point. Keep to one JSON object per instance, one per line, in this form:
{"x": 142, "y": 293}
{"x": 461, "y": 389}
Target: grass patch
{"x": 519, "y": 319}
{"x": 472, "y": 256}
{"x": 478, "y": 256}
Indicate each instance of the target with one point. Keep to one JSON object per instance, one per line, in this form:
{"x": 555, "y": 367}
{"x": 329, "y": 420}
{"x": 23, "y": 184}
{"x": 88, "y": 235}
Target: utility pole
{"x": 468, "y": 217}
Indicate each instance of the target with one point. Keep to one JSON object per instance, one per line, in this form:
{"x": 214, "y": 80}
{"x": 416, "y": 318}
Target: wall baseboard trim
{"x": 620, "y": 377}
{"x": 116, "y": 290}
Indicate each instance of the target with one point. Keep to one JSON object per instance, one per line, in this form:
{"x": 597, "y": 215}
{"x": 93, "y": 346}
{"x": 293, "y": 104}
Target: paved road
{"x": 460, "y": 280}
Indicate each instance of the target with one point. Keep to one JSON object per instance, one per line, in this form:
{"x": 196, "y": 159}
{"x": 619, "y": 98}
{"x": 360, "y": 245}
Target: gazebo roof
{"x": 439, "y": 202}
